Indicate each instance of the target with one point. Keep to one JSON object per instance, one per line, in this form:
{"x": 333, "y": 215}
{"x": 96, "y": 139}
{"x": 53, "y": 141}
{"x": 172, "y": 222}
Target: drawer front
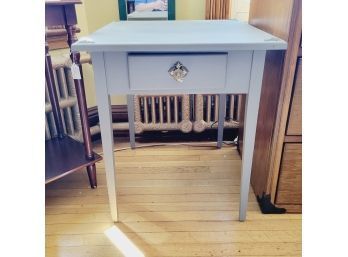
{"x": 295, "y": 116}
{"x": 149, "y": 72}
{"x": 290, "y": 176}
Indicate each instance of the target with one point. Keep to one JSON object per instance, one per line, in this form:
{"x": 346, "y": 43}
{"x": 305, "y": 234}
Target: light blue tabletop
{"x": 197, "y": 35}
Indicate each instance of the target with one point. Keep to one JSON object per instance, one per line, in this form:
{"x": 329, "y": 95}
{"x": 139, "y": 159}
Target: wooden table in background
{"x": 64, "y": 155}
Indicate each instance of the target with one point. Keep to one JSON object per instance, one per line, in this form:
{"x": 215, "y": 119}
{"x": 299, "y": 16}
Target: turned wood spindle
{"x": 52, "y": 93}
{"x": 81, "y": 98}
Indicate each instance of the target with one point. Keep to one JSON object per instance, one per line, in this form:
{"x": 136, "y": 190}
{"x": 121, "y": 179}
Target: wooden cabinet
{"x": 277, "y": 160}
{"x": 295, "y": 116}
{"x": 289, "y": 191}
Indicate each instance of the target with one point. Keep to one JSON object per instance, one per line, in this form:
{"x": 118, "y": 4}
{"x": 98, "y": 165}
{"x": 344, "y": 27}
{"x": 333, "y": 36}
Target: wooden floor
{"x": 173, "y": 201}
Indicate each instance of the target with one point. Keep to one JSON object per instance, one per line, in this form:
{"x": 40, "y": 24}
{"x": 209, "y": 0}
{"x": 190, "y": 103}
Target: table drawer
{"x": 198, "y": 71}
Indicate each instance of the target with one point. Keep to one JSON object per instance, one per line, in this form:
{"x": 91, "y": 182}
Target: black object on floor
{"x": 267, "y": 207}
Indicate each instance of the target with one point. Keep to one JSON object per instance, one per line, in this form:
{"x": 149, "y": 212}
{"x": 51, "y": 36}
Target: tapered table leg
{"x": 250, "y": 122}
{"x": 130, "y": 108}
{"x": 105, "y": 118}
{"x": 221, "y": 120}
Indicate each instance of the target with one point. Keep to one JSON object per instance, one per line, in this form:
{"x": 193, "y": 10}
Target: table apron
{"x": 236, "y": 71}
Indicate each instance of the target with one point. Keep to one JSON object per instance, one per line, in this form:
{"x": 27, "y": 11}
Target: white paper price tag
{"x": 75, "y": 71}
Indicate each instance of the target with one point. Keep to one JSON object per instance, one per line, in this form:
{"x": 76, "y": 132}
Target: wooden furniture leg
{"x": 52, "y": 93}
{"x": 81, "y": 99}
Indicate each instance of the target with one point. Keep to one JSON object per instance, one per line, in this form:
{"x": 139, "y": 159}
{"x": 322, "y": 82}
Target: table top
{"x": 194, "y": 35}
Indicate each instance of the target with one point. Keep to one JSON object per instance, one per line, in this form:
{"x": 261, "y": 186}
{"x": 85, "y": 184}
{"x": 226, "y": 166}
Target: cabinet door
{"x": 295, "y": 116}
{"x": 290, "y": 175}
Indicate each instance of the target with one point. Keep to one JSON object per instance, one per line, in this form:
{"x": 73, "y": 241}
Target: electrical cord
{"x": 174, "y": 144}
{"x": 226, "y": 119}
{"x": 234, "y": 142}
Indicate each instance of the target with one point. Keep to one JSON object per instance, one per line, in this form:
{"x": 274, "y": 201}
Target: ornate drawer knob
{"x": 178, "y": 72}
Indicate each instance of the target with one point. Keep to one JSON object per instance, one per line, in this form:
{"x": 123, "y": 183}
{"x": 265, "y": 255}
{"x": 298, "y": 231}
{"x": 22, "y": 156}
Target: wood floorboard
{"x": 173, "y": 201}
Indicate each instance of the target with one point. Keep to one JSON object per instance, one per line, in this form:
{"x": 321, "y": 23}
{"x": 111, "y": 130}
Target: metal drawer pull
{"x": 178, "y": 72}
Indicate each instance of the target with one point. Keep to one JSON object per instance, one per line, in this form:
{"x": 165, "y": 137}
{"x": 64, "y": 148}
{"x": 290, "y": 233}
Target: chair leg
{"x": 92, "y": 175}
